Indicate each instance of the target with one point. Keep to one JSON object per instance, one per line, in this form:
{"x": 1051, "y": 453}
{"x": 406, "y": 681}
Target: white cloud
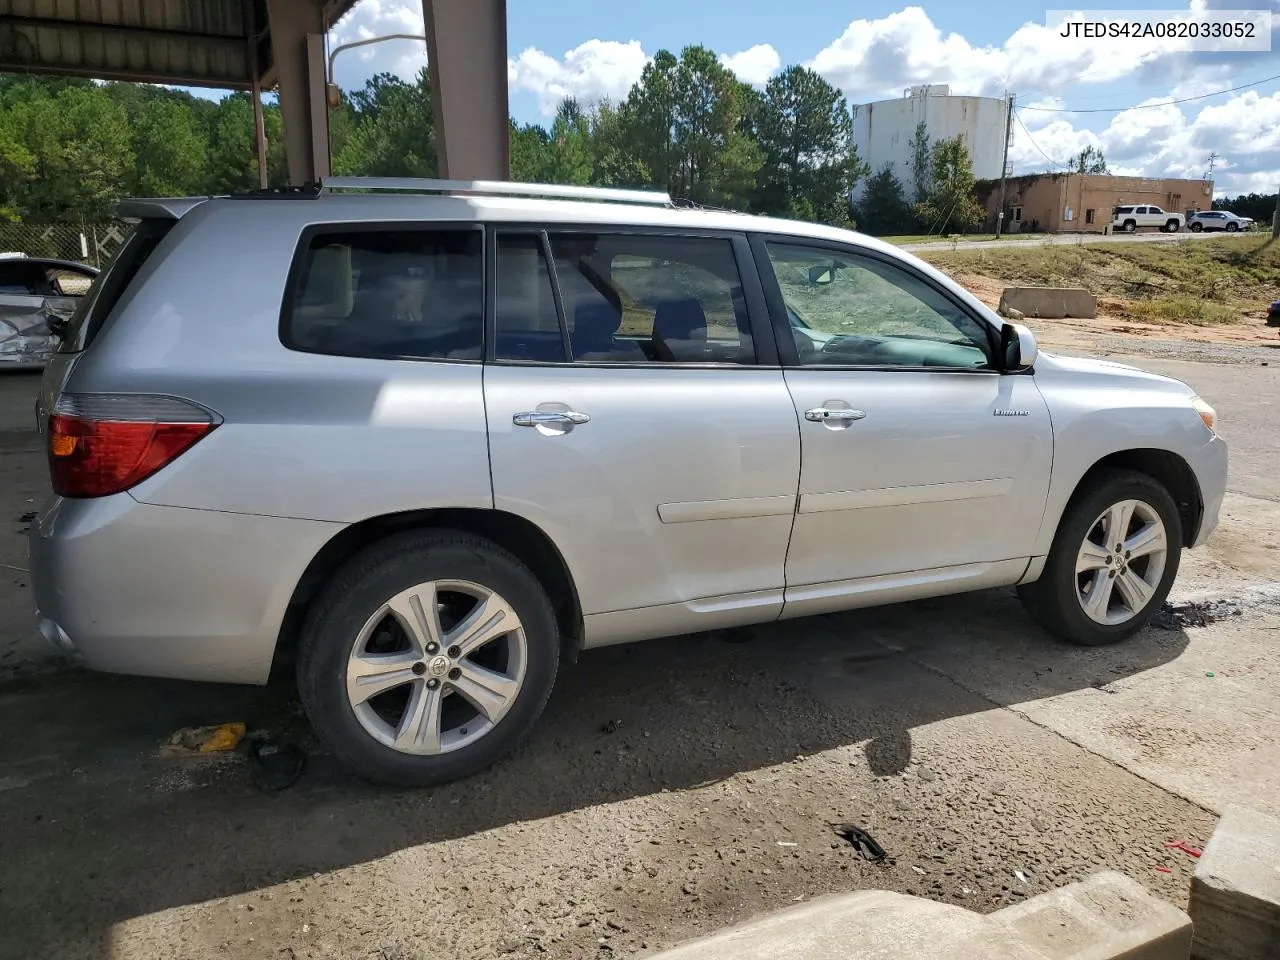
{"x": 754, "y": 65}
{"x": 876, "y": 58}
{"x": 1172, "y": 140}
{"x": 378, "y": 18}
{"x": 591, "y": 71}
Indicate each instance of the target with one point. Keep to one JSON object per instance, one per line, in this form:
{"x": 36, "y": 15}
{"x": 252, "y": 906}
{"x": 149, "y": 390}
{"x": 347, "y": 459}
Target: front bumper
{"x": 1210, "y": 467}
{"x": 127, "y": 587}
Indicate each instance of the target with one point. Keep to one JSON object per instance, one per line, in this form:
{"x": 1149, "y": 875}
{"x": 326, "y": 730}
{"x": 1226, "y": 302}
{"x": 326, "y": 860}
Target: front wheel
{"x": 1112, "y": 563}
{"x": 1130, "y": 226}
{"x": 1232, "y": 227}
{"x": 1172, "y": 226}
{"x": 427, "y": 658}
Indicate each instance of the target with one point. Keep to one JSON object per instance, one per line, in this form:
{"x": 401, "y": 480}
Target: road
{"x": 1059, "y": 239}
{"x": 974, "y": 748}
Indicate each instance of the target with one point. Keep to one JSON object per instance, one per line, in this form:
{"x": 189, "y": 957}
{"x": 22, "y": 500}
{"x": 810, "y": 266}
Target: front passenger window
{"x": 850, "y": 310}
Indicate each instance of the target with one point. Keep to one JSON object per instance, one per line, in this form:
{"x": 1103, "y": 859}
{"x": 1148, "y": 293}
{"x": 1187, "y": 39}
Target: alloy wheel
{"x": 1121, "y": 562}
{"x": 436, "y": 667}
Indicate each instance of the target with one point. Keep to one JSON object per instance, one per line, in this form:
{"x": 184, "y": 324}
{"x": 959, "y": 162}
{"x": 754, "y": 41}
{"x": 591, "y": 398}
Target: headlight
{"x": 1206, "y": 412}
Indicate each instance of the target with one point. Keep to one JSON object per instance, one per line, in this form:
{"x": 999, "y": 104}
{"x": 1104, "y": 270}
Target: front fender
{"x": 1096, "y": 416}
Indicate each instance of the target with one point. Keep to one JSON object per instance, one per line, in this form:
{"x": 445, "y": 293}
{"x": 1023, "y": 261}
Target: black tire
{"x": 1197, "y": 227}
{"x": 1130, "y": 226}
{"x": 353, "y": 595}
{"x": 1052, "y": 600}
{"x": 1232, "y": 227}
{"x": 1171, "y": 226}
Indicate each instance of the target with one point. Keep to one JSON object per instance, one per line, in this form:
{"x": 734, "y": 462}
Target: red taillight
{"x": 104, "y": 445}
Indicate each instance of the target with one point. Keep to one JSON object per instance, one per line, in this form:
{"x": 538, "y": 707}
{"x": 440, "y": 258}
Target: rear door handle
{"x": 536, "y": 418}
{"x": 821, "y": 414}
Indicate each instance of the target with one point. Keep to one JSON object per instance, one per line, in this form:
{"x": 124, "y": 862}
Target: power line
{"x": 1153, "y": 106}
{"x": 1034, "y": 144}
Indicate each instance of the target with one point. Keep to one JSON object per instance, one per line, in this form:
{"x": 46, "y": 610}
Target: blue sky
{"x": 872, "y": 50}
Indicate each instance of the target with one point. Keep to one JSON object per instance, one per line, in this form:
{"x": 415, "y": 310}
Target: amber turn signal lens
{"x": 62, "y": 446}
{"x": 1206, "y": 412}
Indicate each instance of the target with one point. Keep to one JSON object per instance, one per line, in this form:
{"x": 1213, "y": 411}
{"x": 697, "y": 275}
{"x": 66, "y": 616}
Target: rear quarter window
{"x": 388, "y": 293}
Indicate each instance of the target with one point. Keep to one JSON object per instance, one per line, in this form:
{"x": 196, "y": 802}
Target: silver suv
{"x": 431, "y": 438}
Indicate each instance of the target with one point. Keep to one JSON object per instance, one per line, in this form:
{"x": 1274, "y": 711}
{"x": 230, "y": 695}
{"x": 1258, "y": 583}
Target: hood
{"x": 1107, "y": 370}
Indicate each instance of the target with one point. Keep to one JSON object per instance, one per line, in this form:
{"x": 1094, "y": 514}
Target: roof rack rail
{"x": 502, "y": 188}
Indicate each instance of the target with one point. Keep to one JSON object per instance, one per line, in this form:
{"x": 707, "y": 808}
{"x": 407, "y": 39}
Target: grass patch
{"x": 1188, "y": 281}
{"x": 907, "y": 240}
{"x": 1200, "y": 313}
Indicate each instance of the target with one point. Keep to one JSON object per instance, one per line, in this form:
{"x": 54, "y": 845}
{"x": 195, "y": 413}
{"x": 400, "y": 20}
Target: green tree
{"x": 716, "y": 160}
{"x": 649, "y": 119}
{"x": 616, "y": 163}
{"x": 569, "y": 152}
{"x": 1089, "y": 160}
{"x": 883, "y": 209}
{"x": 392, "y": 134}
{"x": 79, "y": 141}
{"x": 171, "y": 152}
{"x": 17, "y": 167}
{"x": 805, "y": 131}
{"x": 921, "y": 163}
{"x": 684, "y": 124}
{"x": 529, "y": 146}
{"x": 951, "y": 206}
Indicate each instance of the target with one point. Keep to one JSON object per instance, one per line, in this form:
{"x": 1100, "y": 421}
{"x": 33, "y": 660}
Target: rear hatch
{"x": 155, "y": 219}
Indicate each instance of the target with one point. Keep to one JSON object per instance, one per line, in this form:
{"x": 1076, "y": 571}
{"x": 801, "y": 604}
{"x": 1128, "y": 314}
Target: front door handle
{"x": 537, "y": 418}
{"x": 822, "y": 414}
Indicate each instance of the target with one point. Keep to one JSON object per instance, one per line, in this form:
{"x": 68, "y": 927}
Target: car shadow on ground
{"x": 101, "y": 825}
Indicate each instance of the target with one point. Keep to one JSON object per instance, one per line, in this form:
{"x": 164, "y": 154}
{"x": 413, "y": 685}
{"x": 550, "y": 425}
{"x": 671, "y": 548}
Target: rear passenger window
{"x": 393, "y": 294}
{"x": 637, "y": 298}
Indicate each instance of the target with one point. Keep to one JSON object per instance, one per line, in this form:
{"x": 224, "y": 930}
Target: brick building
{"x": 1082, "y": 203}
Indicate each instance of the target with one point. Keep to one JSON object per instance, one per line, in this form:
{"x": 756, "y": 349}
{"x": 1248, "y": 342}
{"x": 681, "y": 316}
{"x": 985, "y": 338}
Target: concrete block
{"x": 1107, "y": 917}
{"x": 1235, "y": 894}
{"x": 1049, "y": 303}
{"x": 865, "y": 925}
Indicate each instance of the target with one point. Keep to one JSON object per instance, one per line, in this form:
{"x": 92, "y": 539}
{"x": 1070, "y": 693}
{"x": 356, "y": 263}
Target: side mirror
{"x": 1018, "y": 346}
{"x": 822, "y": 274}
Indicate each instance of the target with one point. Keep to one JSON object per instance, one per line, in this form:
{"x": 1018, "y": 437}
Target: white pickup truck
{"x": 1131, "y": 218}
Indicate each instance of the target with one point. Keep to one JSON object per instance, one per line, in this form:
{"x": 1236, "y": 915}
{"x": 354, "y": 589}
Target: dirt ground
{"x": 1078, "y": 334}
{"x": 674, "y": 786}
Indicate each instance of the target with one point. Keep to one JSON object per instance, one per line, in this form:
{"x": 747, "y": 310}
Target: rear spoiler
{"x": 157, "y": 208}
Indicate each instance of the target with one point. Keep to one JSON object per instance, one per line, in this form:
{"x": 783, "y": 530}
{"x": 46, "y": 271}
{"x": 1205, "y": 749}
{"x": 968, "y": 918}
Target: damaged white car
{"x": 37, "y": 296}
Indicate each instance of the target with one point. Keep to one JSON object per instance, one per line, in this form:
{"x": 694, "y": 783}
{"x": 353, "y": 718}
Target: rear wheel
{"x": 427, "y": 658}
{"x": 1112, "y": 562}
{"x": 1197, "y": 227}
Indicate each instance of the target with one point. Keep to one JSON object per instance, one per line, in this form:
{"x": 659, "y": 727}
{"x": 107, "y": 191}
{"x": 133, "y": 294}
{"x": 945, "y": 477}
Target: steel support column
{"x": 297, "y": 43}
{"x": 467, "y": 63}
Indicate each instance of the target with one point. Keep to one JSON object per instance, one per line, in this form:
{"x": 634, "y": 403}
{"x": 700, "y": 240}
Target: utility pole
{"x": 1275, "y": 219}
{"x": 1213, "y": 158}
{"x": 1004, "y": 164}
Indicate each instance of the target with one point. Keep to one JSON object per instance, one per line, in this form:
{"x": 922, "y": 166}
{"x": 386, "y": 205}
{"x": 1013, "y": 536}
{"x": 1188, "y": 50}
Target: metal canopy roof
{"x": 209, "y": 43}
